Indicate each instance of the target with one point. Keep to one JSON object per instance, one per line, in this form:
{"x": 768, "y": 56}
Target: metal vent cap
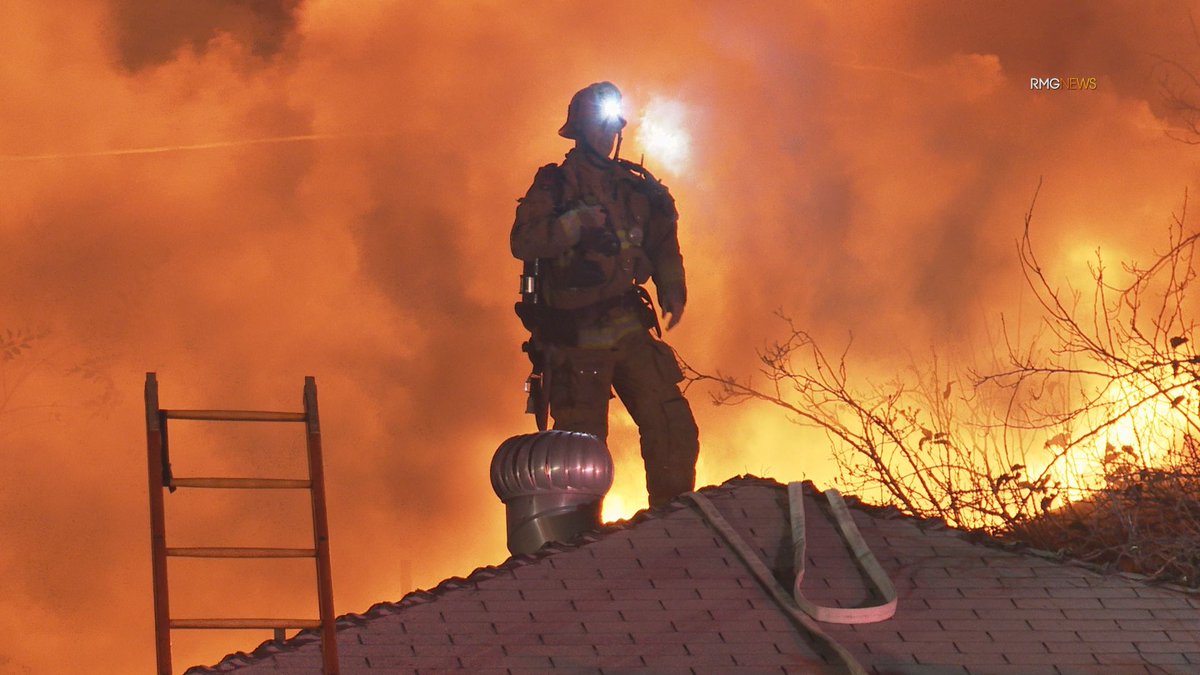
{"x": 551, "y": 462}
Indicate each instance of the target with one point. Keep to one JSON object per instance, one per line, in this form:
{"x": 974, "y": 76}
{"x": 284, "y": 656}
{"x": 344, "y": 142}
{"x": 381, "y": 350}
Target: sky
{"x": 235, "y": 195}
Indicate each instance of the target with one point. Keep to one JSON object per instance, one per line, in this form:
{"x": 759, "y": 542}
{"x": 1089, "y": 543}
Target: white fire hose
{"x": 801, "y": 610}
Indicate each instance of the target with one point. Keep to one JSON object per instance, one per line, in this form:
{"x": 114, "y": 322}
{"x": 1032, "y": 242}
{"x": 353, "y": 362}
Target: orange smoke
{"x": 864, "y": 171}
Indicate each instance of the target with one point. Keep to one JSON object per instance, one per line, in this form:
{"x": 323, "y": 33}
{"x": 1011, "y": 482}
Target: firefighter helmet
{"x": 604, "y": 100}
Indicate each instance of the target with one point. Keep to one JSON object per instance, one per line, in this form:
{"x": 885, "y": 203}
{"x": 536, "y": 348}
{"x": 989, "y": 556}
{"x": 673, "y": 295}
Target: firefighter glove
{"x": 576, "y": 220}
{"x": 599, "y": 239}
{"x": 671, "y": 299}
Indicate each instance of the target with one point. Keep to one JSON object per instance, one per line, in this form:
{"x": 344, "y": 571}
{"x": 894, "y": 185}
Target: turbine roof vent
{"x": 552, "y": 484}
{"x": 551, "y": 462}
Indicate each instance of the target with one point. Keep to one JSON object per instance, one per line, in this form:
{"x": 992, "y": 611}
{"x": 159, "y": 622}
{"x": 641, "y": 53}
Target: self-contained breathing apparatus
{"x": 551, "y": 327}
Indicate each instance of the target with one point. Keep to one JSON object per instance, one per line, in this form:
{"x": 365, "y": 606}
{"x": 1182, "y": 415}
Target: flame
{"x": 1148, "y": 428}
{"x": 752, "y": 439}
{"x": 622, "y": 505}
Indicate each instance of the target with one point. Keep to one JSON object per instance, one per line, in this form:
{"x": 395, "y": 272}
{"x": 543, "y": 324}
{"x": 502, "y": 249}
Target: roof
{"x": 665, "y": 592}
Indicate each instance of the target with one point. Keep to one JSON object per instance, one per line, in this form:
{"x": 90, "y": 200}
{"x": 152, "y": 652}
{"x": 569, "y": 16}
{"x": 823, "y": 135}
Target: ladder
{"x": 161, "y": 478}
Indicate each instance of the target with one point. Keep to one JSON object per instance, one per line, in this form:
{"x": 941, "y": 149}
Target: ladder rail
{"x": 158, "y": 527}
{"x": 316, "y": 475}
{"x": 160, "y": 477}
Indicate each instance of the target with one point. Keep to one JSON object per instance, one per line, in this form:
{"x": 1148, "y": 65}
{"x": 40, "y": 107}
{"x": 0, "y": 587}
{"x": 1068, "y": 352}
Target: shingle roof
{"x": 666, "y": 593}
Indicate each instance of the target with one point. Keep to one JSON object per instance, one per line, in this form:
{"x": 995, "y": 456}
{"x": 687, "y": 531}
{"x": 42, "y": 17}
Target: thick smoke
{"x": 864, "y": 170}
{"x": 149, "y": 33}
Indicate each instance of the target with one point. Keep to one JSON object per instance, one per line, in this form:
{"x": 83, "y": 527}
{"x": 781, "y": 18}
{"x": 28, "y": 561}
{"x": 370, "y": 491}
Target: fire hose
{"x": 801, "y": 610}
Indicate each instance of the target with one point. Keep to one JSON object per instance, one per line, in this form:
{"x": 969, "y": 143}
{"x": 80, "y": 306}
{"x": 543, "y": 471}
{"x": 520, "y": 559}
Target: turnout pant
{"x": 646, "y": 377}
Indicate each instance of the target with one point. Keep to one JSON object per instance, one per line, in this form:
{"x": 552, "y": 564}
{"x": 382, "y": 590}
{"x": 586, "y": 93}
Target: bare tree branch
{"x": 1082, "y": 437}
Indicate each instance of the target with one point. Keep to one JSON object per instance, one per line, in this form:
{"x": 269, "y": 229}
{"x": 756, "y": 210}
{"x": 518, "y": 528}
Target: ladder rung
{"x": 235, "y": 415}
{"x": 246, "y": 623}
{"x": 240, "y": 552}
{"x": 243, "y": 483}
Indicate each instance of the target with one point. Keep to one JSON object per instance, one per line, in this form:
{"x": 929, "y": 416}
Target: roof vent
{"x": 552, "y": 484}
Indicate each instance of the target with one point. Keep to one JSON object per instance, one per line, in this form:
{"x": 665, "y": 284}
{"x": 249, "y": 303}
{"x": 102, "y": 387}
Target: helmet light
{"x": 610, "y": 109}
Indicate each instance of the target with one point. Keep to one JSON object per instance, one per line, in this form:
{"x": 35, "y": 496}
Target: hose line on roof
{"x": 710, "y": 513}
{"x": 863, "y": 557}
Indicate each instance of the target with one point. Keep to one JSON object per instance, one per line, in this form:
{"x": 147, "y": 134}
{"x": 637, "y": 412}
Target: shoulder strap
{"x": 642, "y": 172}
{"x": 552, "y": 178}
{"x": 661, "y": 200}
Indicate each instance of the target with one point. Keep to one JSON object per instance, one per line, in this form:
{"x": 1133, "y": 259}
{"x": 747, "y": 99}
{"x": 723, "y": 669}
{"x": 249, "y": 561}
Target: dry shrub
{"x": 1144, "y": 520}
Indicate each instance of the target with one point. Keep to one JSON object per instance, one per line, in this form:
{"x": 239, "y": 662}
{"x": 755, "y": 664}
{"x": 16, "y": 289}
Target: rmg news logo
{"x": 1062, "y": 83}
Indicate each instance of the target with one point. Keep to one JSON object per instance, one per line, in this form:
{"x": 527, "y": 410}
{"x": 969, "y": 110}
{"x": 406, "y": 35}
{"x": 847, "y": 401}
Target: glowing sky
{"x": 864, "y": 168}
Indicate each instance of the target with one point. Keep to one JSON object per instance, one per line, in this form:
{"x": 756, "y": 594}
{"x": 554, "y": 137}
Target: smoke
{"x": 149, "y": 33}
{"x": 235, "y": 195}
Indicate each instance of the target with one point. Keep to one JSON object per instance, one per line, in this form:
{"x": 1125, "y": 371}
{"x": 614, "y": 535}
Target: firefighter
{"x": 599, "y": 227}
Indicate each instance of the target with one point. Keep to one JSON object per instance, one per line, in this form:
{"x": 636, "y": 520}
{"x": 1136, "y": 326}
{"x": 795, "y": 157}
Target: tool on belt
{"x": 549, "y": 327}
{"x": 532, "y": 312}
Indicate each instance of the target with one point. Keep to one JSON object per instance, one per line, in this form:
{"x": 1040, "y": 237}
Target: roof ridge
{"x": 891, "y": 511}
